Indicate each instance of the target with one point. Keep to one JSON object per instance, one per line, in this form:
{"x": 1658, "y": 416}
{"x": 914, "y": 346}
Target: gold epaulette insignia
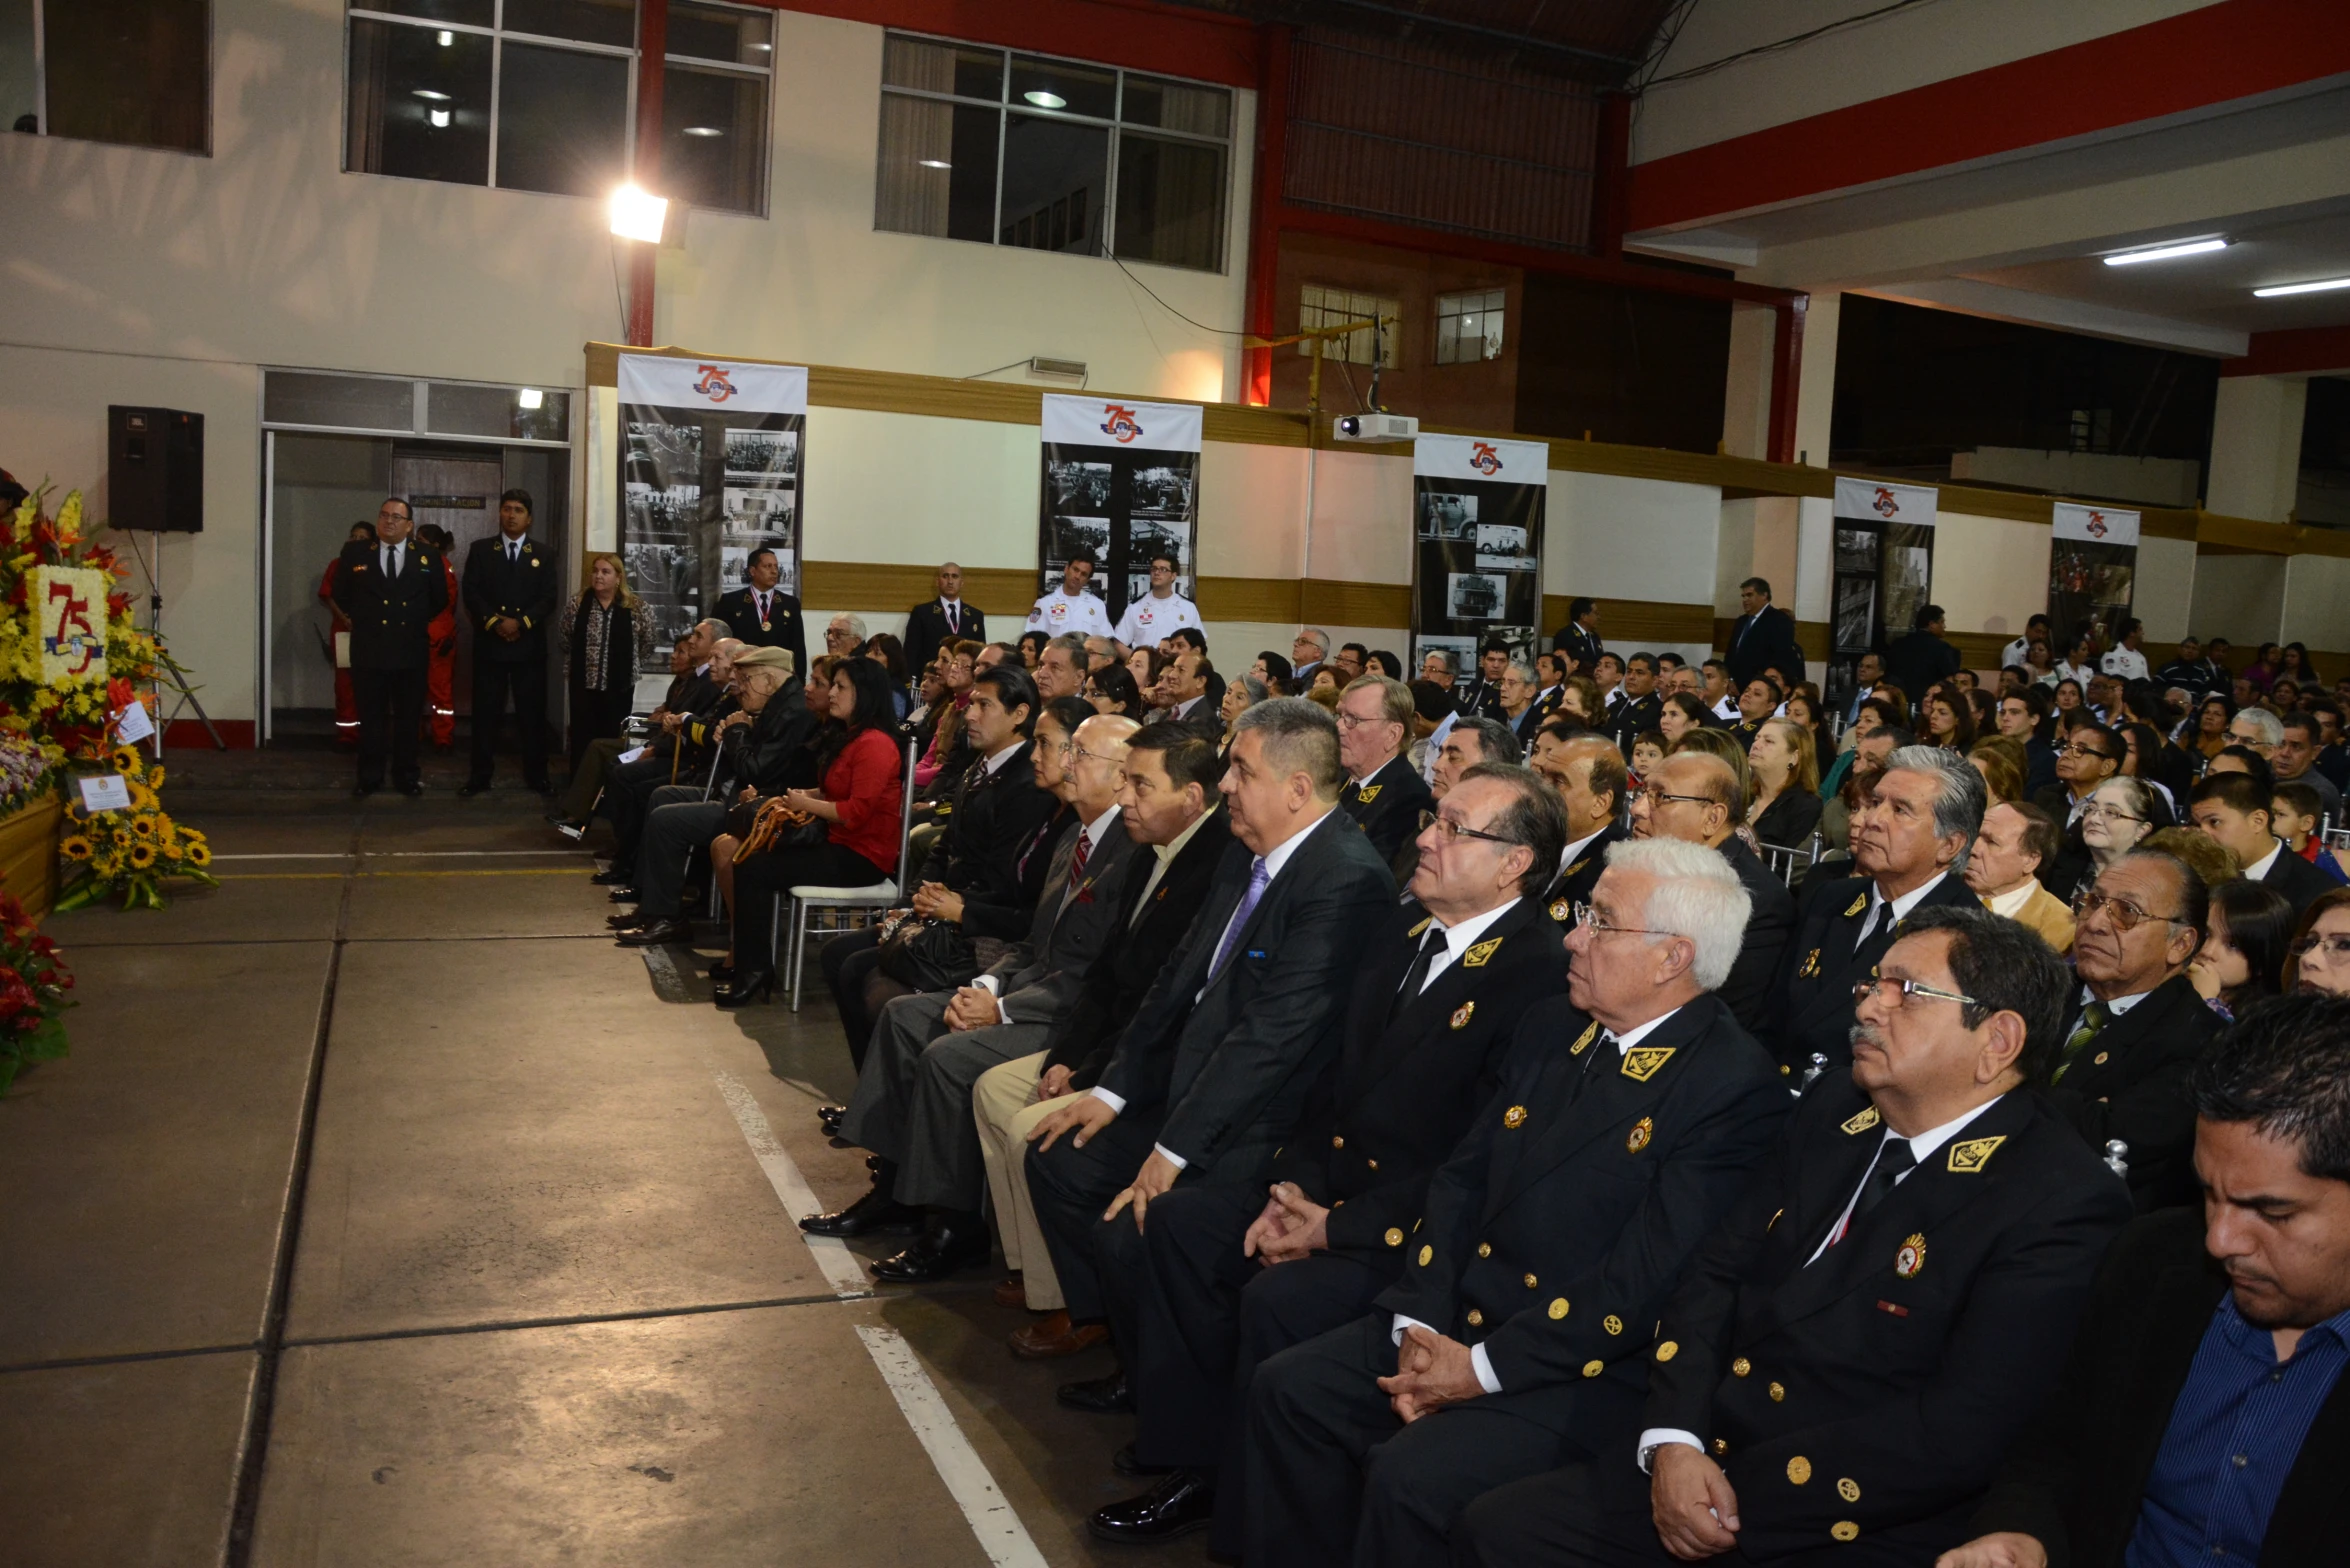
{"x": 1642, "y": 1062}
{"x": 1970, "y": 1157}
{"x": 1476, "y": 956}
{"x": 1583, "y": 1040}
{"x": 1414, "y": 933}
{"x": 1369, "y": 793}
{"x": 1864, "y": 1121}
{"x": 1858, "y": 904}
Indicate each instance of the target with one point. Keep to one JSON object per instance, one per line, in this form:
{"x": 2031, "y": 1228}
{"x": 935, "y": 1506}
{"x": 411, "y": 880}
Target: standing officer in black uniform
{"x": 1906, "y": 839}
{"x": 765, "y": 616}
{"x": 510, "y": 597}
{"x": 391, "y": 590}
{"x": 1856, "y": 1347}
{"x": 1579, "y": 638}
{"x": 1631, "y": 1118}
{"x": 1641, "y": 708}
{"x": 1384, "y": 793}
{"x": 1230, "y": 1278}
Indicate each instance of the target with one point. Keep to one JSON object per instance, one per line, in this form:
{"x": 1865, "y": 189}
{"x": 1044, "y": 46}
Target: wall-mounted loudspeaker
{"x": 155, "y": 469}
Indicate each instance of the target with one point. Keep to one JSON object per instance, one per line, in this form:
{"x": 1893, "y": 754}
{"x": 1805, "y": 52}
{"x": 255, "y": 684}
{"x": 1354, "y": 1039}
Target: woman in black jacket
{"x": 606, "y": 636}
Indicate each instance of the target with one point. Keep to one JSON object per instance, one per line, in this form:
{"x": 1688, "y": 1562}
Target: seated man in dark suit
{"x": 2138, "y": 1026}
{"x": 1384, "y": 793}
{"x": 2236, "y": 809}
{"x": 1230, "y": 1278}
{"x": 2203, "y": 1417}
{"x": 1906, "y": 838}
{"x": 690, "y": 688}
{"x": 1213, "y": 1074}
{"x": 1630, "y": 1119}
{"x": 1693, "y": 796}
{"x": 1855, "y": 1348}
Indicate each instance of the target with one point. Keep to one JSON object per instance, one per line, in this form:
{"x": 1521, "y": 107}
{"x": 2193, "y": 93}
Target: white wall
{"x": 1990, "y": 574}
{"x": 2239, "y": 597}
{"x": 2317, "y": 604}
{"x": 2163, "y": 595}
{"x": 2256, "y": 446}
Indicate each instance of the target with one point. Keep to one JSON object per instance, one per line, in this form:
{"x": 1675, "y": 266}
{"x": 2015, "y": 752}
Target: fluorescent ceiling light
{"x": 531, "y": 397}
{"x": 934, "y": 163}
{"x": 2129, "y": 258}
{"x": 638, "y": 214}
{"x": 429, "y": 95}
{"x": 1047, "y": 100}
{"x": 703, "y": 130}
{"x": 2319, "y": 287}
{"x": 440, "y": 119}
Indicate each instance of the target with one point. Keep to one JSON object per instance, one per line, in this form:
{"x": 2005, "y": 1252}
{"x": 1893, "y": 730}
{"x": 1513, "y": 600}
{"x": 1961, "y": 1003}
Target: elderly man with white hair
{"x": 1632, "y": 1114}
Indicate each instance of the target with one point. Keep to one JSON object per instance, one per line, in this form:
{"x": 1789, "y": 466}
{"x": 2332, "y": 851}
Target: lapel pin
{"x": 1911, "y": 1257}
{"x": 1462, "y": 1015}
{"x": 1637, "y": 1138}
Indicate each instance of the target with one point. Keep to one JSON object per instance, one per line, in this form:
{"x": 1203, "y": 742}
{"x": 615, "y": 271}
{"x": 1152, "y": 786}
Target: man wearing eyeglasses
{"x": 1693, "y": 796}
{"x": 1855, "y": 1346}
{"x": 2138, "y": 1025}
{"x": 1384, "y": 793}
{"x": 2090, "y": 755}
{"x": 1631, "y": 1115}
{"x": 1235, "y": 1275}
{"x": 1306, "y": 654}
{"x": 1906, "y": 839}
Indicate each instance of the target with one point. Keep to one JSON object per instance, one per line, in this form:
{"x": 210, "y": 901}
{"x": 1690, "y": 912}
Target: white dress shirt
{"x": 392, "y": 557}
{"x": 1093, "y": 832}
{"x": 2259, "y": 868}
{"x": 952, "y": 609}
{"x": 1921, "y": 1149}
{"x": 2014, "y": 899}
{"x": 1486, "y": 1378}
{"x": 1873, "y": 922}
{"x": 1459, "y": 939}
{"x": 1576, "y": 849}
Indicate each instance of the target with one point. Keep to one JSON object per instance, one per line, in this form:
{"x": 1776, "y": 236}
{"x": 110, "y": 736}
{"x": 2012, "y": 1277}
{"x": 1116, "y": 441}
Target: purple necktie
{"x": 1258, "y": 876}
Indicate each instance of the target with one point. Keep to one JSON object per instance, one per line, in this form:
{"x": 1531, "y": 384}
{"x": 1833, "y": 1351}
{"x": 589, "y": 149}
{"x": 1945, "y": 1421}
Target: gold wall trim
{"x": 1248, "y": 599}
{"x": 1323, "y": 602}
{"x": 890, "y": 589}
{"x": 1625, "y": 623}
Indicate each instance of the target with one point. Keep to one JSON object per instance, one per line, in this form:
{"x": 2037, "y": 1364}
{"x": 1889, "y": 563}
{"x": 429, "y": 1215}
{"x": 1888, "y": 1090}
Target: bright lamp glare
{"x": 428, "y": 95}
{"x": 445, "y": 39}
{"x": 2322, "y": 286}
{"x": 2130, "y": 258}
{"x": 638, "y": 214}
{"x": 440, "y": 119}
{"x": 703, "y": 130}
{"x": 531, "y": 397}
{"x": 1047, "y": 100}
{"x": 934, "y": 163}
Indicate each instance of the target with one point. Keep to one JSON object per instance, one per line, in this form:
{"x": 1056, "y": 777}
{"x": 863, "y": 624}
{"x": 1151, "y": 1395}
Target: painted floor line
{"x": 799, "y": 1201}
{"x": 407, "y": 854}
{"x": 337, "y": 876}
{"x": 992, "y": 1519}
{"x": 668, "y": 984}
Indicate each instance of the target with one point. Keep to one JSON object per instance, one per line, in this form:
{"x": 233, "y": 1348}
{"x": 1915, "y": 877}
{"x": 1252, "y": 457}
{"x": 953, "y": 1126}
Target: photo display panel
{"x": 1120, "y": 479}
{"x": 1884, "y": 572}
{"x": 2092, "y": 571}
{"x": 1477, "y": 511}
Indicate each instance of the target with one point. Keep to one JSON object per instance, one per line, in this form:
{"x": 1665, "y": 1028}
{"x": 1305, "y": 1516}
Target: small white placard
{"x": 633, "y": 753}
{"x": 105, "y": 792}
{"x": 132, "y": 725}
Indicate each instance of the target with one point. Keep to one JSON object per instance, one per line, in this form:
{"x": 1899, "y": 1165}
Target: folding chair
{"x": 807, "y": 899}
{"x": 1788, "y": 862}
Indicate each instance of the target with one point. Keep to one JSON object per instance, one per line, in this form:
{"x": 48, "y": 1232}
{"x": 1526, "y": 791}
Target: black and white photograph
{"x": 766, "y": 455}
{"x": 1077, "y": 487}
{"x": 1072, "y": 534}
{"x": 762, "y": 508}
{"x": 672, "y": 512}
{"x": 1162, "y": 494}
{"x": 1446, "y": 515}
{"x": 1476, "y": 596}
{"x": 1501, "y": 547}
{"x": 671, "y": 449}
{"x": 1856, "y": 550}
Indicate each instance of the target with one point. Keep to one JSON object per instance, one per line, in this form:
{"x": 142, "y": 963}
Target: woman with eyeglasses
{"x": 1111, "y": 690}
{"x": 2319, "y": 959}
{"x": 2242, "y": 959}
{"x": 2117, "y": 814}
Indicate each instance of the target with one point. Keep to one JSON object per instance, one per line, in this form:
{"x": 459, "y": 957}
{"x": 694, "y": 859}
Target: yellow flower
{"x": 174, "y": 852}
{"x": 142, "y": 798}
{"x": 155, "y": 778}
{"x": 74, "y": 847}
{"x": 126, "y": 760}
{"x": 199, "y": 853}
{"x": 142, "y": 856}
{"x": 143, "y": 826}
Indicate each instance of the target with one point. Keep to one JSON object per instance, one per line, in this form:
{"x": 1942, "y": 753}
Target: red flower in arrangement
{"x": 16, "y": 997}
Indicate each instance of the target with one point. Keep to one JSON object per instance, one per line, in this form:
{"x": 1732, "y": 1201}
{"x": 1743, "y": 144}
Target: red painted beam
{"x": 1611, "y": 186}
{"x": 1133, "y": 33}
{"x": 2295, "y": 352}
{"x": 652, "y": 42}
{"x": 2214, "y": 55}
{"x": 1264, "y": 249}
{"x": 1787, "y": 377}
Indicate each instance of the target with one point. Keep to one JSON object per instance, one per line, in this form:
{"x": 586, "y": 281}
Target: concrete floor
{"x": 387, "y": 1213}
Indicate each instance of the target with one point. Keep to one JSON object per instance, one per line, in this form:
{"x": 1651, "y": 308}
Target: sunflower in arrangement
{"x": 130, "y": 851}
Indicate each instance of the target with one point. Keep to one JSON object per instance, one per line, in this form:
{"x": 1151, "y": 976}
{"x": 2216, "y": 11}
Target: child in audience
{"x": 2293, "y": 816}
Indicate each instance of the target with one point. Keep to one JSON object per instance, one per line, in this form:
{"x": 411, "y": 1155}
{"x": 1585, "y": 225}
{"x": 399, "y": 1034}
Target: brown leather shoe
{"x": 1011, "y": 1292}
{"x": 1048, "y": 1339}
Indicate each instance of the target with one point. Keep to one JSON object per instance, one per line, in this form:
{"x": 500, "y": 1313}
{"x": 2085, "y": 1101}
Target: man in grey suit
{"x": 1216, "y": 1068}
{"x": 913, "y": 1101}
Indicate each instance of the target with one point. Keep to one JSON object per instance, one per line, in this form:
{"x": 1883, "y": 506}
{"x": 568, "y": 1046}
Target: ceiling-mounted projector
{"x": 1375, "y": 427}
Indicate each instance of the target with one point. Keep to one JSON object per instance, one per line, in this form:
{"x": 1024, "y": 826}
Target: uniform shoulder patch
{"x": 1858, "y": 904}
{"x": 1970, "y": 1157}
{"x": 1369, "y": 793}
{"x": 1583, "y": 1040}
{"x": 1475, "y": 957}
{"x": 1414, "y": 932}
{"x": 1643, "y": 1062}
{"x": 1576, "y": 869}
{"x": 1864, "y": 1121}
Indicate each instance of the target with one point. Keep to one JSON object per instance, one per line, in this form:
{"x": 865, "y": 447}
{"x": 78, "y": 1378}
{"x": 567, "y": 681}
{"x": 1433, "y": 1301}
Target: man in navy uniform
{"x": 1852, "y": 1352}
{"x": 390, "y": 589}
{"x": 763, "y": 615}
{"x": 1384, "y": 793}
{"x": 940, "y": 620}
{"x": 509, "y": 597}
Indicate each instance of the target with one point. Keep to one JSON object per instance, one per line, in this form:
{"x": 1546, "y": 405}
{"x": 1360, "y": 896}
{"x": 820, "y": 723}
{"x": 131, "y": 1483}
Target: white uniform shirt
{"x": 1057, "y": 612}
{"x": 2128, "y": 663}
{"x": 1149, "y": 620}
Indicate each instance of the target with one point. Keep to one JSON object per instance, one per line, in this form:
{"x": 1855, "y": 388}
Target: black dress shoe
{"x": 876, "y": 1213}
{"x": 613, "y": 877}
{"x": 1182, "y": 1503}
{"x": 829, "y": 1117}
{"x": 941, "y": 1250}
{"x": 721, "y": 972}
{"x": 626, "y": 922}
{"x": 1101, "y": 1396}
{"x": 469, "y": 789}
{"x": 1124, "y": 1462}
{"x": 658, "y": 933}
{"x": 745, "y": 988}
{"x": 625, "y": 895}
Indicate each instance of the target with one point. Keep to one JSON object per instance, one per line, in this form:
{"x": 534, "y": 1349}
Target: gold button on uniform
{"x": 1337, "y": 1142}
{"x": 1594, "y": 1368}
{"x": 1848, "y": 1489}
{"x": 1667, "y": 1351}
{"x": 1485, "y": 1249}
{"x": 1844, "y": 1530}
{"x": 1476, "y": 1318}
{"x": 1529, "y": 1282}
{"x": 1374, "y": 1164}
{"x": 1514, "y": 1117}
{"x": 1612, "y": 1323}
{"x": 1799, "y": 1469}
{"x": 1558, "y": 1309}
{"x": 1394, "y": 1237}
{"x": 1741, "y": 1366}
{"x": 1778, "y": 1392}
{"x": 1721, "y": 1445}
{"x": 1425, "y": 1254}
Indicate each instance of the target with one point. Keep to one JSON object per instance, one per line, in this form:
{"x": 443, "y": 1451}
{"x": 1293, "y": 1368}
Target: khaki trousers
{"x": 1001, "y": 1105}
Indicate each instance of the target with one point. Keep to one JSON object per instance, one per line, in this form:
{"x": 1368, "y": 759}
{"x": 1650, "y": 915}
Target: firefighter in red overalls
{"x": 440, "y": 676}
{"x": 346, "y": 700}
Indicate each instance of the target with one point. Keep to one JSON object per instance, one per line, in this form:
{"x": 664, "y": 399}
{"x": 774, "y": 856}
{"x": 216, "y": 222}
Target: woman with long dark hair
{"x": 605, "y": 636}
{"x": 859, "y": 804}
{"x": 2243, "y": 955}
{"x": 1111, "y": 690}
{"x": 1680, "y": 714}
{"x": 1949, "y": 719}
{"x": 886, "y": 651}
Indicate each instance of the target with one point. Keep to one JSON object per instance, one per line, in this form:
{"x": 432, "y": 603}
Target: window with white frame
{"x": 134, "y": 72}
{"x": 1328, "y": 307}
{"x": 1010, "y": 149}
{"x": 1468, "y": 326}
{"x": 538, "y": 95}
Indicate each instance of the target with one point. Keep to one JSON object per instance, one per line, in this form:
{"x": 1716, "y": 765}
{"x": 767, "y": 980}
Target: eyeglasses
{"x": 2126, "y": 916}
{"x": 1076, "y": 750}
{"x": 1598, "y": 924}
{"x": 2105, "y": 813}
{"x": 1454, "y": 831}
{"x": 1656, "y": 797}
{"x": 2076, "y": 749}
{"x": 1902, "y": 990}
{"x": 1348, "y": 721}
{"x": 2336, "y": 945}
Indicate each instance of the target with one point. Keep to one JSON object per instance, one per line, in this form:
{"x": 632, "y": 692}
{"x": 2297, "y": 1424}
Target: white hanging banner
{"x": 2096, "y": 524}
{"x": 655, "y": 380}
{"x": 1477, "y": 459}
{"x": 1861, "y": 499}
{"x": 1117, "y": 422}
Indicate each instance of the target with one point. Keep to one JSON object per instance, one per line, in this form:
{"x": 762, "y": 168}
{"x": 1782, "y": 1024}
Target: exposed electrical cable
{"x": 1163, "y": 305}
{"x": 1825, "y": 28}
{"x": 999, "y": 370}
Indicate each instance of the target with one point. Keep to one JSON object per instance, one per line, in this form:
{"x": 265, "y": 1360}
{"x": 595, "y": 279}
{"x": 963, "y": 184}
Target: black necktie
{"x": 1895, "y": 1161}
{"x": 1416, "y": 977}
{"x": 954, "y": 621}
